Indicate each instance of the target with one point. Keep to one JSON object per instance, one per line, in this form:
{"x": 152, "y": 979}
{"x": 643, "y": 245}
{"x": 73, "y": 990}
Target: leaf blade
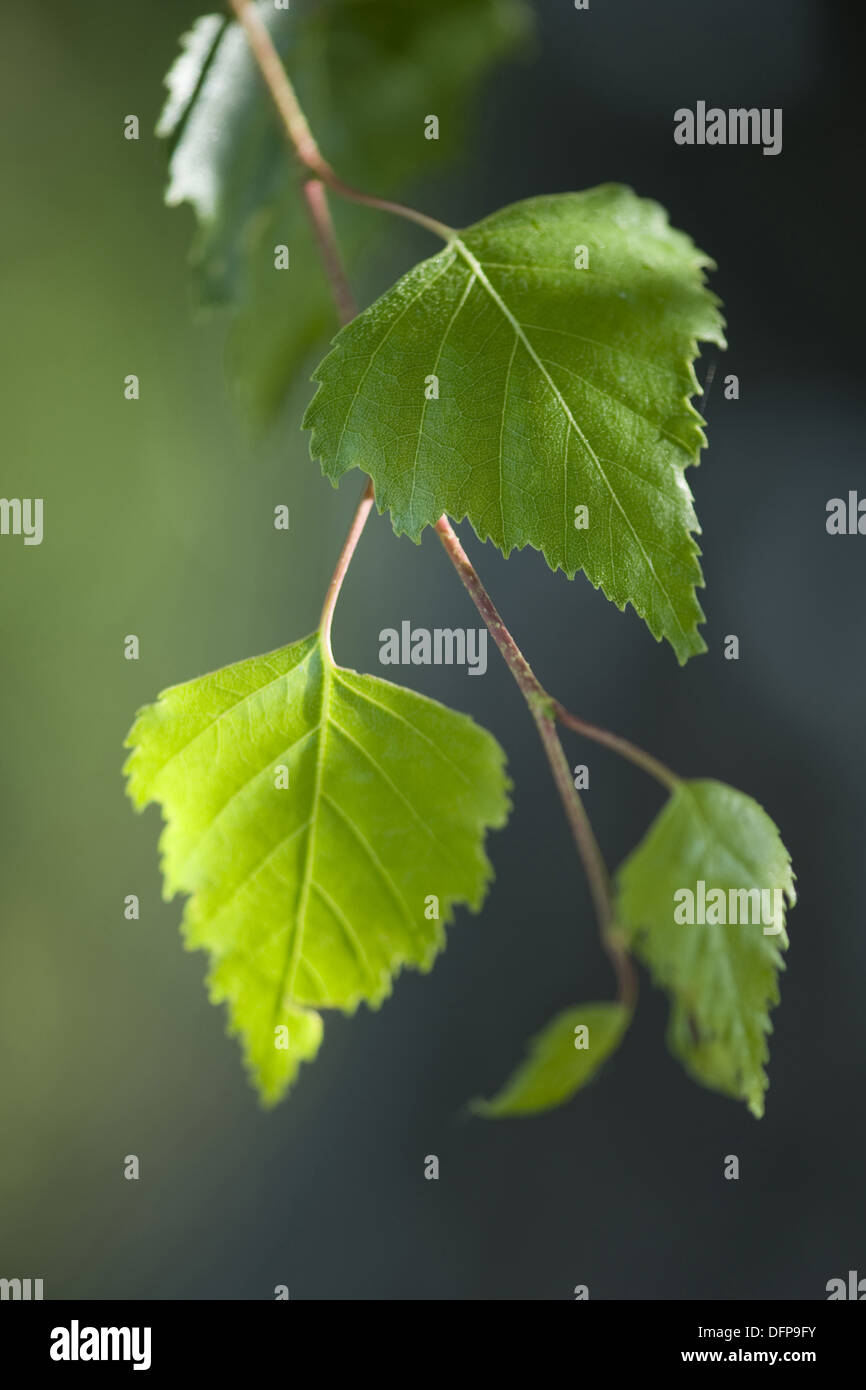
{"x": 556, "y": 1068}
{"x": 533, "y": 420}
{"x": 722, "y": 978}
{"x": 314, "y": 895}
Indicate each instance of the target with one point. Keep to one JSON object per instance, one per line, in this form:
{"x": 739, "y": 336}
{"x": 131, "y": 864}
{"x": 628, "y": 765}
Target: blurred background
{"x": 158, "y": 522}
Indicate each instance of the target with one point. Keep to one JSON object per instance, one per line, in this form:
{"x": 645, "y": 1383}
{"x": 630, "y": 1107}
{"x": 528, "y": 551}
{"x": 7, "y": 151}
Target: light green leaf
{"x": 559, "y": 1064}
{"x": 367, "y": 72}
{"x": 722, "y": 979}
{"x": 313, "y": 896}
{"x": 558, "y": 388}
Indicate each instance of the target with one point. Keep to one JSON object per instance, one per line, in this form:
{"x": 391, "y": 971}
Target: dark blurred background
{"x": 158, "y": 522}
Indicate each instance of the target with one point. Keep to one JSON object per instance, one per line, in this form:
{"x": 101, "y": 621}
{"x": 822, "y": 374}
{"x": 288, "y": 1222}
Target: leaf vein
{"x": 518, "y": 329}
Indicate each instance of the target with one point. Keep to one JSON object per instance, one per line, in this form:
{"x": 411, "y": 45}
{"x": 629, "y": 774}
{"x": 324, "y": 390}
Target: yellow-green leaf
{"x": 324, "y": 825}
{"x": 562, "y": 1058}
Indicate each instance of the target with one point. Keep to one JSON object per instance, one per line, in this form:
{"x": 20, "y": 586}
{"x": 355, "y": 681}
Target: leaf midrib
{"x": 712, "y": 838}
{"x": 478, "y": 270}
{"x": 296, "y": 941}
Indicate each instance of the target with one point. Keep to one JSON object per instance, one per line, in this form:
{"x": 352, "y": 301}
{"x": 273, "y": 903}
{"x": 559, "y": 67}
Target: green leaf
{"x": 367, "y": 72}
{"x": 558, "y": 388}
{"x": 314, "y": 895}
{"x": 722, "y": 978}
{"x": 557, "y": 1066}
{"x": 230, "y": 162}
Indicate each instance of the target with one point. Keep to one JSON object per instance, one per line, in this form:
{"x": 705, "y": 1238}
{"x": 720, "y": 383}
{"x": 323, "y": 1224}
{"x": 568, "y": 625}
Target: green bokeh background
{"x": 158, "y": 521}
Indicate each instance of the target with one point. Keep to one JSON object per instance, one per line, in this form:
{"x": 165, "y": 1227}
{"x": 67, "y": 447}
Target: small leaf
{"x": 557, "y": 1065}
{"x": 367, "y": 76}
{"x": 315, "y": 816}
{"x": 558, "y": 389}
{"x": 722, "y": 978}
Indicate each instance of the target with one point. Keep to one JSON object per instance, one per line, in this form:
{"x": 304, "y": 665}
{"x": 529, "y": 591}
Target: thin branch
{"x": 359, "y": 520}
{"x": 281, "y": 89}
{"x": 432, "y": 224}
{"x": 323, "y": 229}
{"x": 542, "y": 708}
{"x": 320, "y": 214}
{"x": 298, "y": 131}
{"x": 511, "y": 653}
{"x": 619, "y": 745}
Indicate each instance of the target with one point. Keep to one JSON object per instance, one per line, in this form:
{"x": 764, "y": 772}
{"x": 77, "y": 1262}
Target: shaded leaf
{"x": 367, "y": 72}
{"x": 722, "y": 979}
